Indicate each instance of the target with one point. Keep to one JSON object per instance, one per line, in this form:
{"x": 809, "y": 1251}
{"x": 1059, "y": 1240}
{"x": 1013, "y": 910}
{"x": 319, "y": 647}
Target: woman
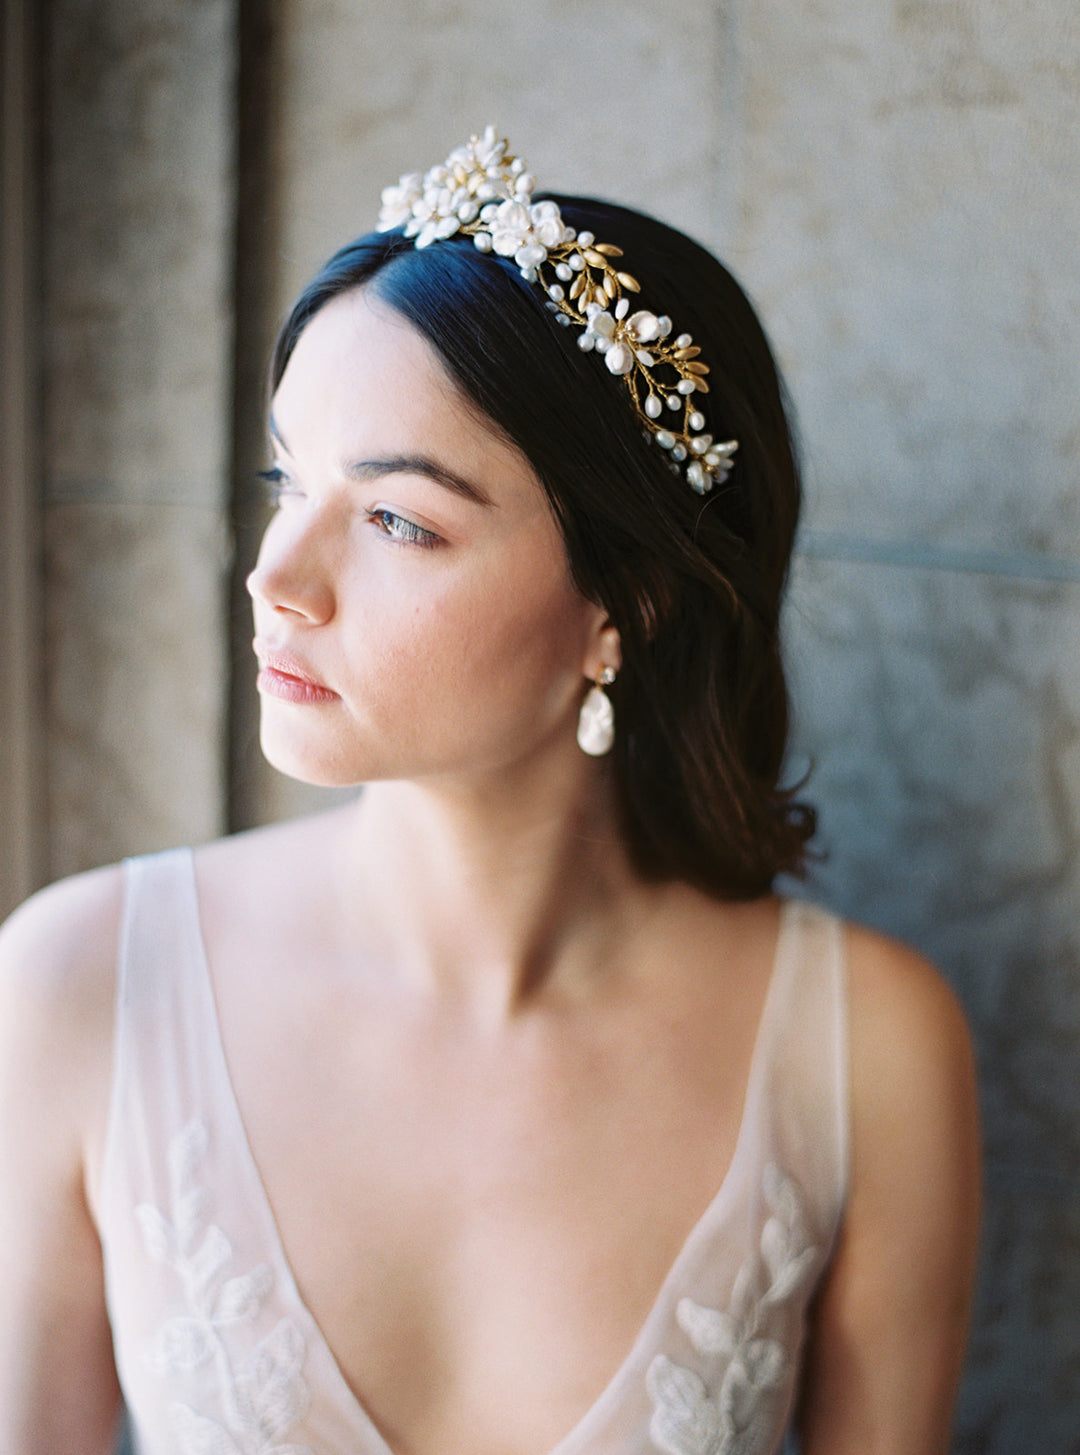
{"x": 505, "y": 1109}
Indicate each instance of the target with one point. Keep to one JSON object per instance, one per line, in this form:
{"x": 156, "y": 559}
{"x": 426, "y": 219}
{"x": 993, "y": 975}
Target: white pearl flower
{"x": 397, "y": 201}
{"x": 601, "y": 325}
{"x": 547, "y": 224}
{"x": 530, "y": 255}
{"x": 422, "y": 209}
{"x": 619, "y": 359}
{"x": 511, "y": 228}
{"x": 436, "y": 229}
{"x": 643, "y": 326}
{"x": 488, "y": 150}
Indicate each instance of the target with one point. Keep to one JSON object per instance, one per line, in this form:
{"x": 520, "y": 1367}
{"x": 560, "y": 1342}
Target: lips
{"x": 285, "y": 676}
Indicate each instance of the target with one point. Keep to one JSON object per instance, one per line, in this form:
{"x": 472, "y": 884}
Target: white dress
{"x": 216, "y": 1351}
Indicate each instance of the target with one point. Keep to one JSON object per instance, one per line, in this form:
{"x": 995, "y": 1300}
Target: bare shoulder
{"x": 887, "y": 967}
{"x": 889, "y": 1336}
{"x": 911, "y": 1047}
{"x": 915, "y": 1133}
{"x": 57, "y": 972}
{"x": 58, "y": 952}
{"x": 57, "y": 977}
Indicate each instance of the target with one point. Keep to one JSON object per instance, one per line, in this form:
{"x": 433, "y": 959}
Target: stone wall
{"x": 21, "y": 700}
{"x": 905, "y": 212}
{"x": 137, "y": 262}
{"x": 897, "y": 185}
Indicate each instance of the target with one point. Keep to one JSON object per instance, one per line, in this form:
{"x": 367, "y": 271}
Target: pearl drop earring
{"x": 596, "y": 725}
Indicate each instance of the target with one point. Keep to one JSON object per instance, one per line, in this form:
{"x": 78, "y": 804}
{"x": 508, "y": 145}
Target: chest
{"x": 480, "y": 1225}
{"x": 479, "y": 1229}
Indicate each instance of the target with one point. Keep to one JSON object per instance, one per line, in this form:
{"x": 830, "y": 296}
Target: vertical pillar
{"x": 138, "y": 227}
{"x": 21, "y": 800}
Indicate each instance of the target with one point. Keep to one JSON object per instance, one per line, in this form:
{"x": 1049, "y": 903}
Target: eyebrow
{"x": 404, "y": 465}
{"x": 418, "y": 465}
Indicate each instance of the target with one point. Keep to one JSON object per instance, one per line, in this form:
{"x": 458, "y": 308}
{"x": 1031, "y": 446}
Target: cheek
{"x": 514, "y": 651}
{"x": 526, "y": 667}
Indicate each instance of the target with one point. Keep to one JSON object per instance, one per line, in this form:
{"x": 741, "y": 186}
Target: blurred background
{"x": 897, "y": 182}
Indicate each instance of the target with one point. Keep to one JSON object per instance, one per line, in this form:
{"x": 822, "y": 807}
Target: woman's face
{"x": 414, "y": 612}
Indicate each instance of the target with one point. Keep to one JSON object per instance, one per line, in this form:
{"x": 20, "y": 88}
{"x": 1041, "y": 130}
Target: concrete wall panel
{"x": 137, "y": 338}
{"x": 905, "y": 209}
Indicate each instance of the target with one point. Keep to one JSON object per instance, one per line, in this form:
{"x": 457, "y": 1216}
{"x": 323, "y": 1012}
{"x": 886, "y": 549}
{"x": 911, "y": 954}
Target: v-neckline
{"x": 644, "y": 1344}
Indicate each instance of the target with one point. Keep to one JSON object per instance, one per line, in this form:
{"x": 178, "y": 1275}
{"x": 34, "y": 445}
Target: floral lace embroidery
{"x": 264, "y": 1394}
{"x": 689, "y": 1418}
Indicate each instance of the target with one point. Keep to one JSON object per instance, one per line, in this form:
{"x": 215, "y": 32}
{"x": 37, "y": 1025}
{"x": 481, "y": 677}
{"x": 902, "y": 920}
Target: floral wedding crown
{"x": 483, "y": 192}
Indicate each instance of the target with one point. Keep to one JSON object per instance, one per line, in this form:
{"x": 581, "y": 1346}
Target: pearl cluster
{"x": 483, "y": 192}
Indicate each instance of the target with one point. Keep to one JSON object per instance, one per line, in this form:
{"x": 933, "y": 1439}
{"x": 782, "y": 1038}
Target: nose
{"x": 290, "y": 576}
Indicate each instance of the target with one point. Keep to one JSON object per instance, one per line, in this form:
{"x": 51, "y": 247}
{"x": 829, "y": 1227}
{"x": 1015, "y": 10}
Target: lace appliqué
{"x": 692, "y": 1418}
{"x": 261, "y": 1395}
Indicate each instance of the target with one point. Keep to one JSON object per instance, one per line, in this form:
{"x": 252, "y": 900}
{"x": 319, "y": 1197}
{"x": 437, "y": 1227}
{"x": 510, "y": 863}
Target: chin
{"x": 306, "y": 764}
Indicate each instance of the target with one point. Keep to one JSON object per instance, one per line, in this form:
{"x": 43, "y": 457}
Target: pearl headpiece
{"x": 483, "y": 192}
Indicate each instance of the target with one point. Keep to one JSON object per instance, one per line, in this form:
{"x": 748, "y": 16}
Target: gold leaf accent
{"x": 690, "y": 353}
{"x": 700, "y": 385}
{"x": 629, "y": 282}
{"x": 696, "y": 368}
{"x": 609, "y": 250}
{"x": 591, "y": 255}
{"x": 577, "y": 285}
{"x": 609, "y": 286}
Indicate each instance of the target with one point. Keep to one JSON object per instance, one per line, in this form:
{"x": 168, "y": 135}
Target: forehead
{"x": 358, "y": 363}
{"x": 360, "y": 375}
{"x": 356, "y": 354}
{"x": 364, "y": 390}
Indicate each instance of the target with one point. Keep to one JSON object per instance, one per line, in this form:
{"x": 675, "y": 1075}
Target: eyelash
{"x": 402, "y": 531}
{"x": 395, "y": 527}
{"x": 276, "y": 484}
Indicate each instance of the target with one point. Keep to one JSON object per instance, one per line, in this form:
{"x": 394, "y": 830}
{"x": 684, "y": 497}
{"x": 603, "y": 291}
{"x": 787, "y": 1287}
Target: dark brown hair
{"x": 693, "y": 584}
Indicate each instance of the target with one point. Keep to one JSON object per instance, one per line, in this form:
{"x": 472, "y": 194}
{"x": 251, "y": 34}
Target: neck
{"x": 491, "y": 891}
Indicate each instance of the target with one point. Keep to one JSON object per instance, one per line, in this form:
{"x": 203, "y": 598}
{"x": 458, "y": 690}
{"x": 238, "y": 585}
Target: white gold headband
{"x": 483, "y": 192}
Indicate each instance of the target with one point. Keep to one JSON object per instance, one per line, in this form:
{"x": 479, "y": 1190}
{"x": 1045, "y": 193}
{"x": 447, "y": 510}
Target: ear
{"x": 604, "y": 649}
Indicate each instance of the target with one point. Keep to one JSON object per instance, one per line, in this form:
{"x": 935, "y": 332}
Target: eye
{"x": 405, "y": 532}
{"x": 277, "y": 484}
